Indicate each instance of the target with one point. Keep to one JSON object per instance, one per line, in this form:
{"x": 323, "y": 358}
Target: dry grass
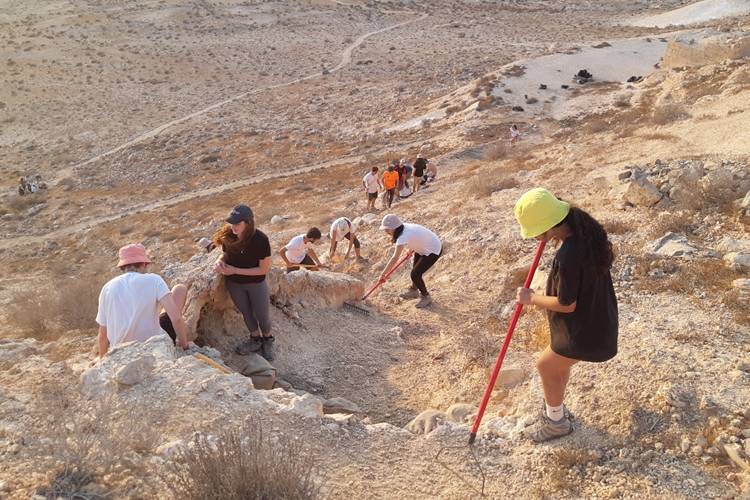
{"x": 481, "y": 186}
{"x": 18, "y": 203}
{"x": 678, "y": 222}
{"x": 669, "y": 113}
{"x": 240, "y": 465}
{"x": 70, "y": 306}
{"x": 91, "y": 440}
{"x": 660, "y": 137}
{"x": 616, "y": 226}
{"x": 497, "y": 151}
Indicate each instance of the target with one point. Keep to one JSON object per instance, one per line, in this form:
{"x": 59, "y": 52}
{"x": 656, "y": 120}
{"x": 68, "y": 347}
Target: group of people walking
{"x": 579, "y": 298}
{"x": 399, "y": 180}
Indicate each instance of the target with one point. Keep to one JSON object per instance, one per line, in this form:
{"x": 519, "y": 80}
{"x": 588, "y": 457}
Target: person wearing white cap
{"x": 343, "y": 228}
{"x": 129, "y": 304}
{"x": 427, "y": 249}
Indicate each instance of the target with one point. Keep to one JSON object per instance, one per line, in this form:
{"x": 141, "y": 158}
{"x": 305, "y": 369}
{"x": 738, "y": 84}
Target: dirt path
{"x": 346, "y": 58}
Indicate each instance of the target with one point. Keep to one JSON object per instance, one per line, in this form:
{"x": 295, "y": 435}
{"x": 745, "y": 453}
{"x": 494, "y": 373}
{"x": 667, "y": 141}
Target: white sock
{"x": 554, "y": 413}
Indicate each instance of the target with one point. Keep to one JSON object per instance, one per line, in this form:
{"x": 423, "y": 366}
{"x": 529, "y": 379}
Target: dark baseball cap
{"x": 240, "y": 213}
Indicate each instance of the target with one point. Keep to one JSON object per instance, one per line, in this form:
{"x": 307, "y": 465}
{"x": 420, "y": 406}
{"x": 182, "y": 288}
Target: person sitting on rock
{"x": 580, "y": 299}
{"x": 343, "y": 228}
{"x": 431, "y": 171}
{"x": 427, "y": 249}
{"x": 299, "y": 252}
{"x": 244, "y": 263}
{"x": 129, "y": 304}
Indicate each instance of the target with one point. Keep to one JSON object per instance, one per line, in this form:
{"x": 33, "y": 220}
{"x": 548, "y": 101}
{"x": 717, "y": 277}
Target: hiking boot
{"x": 425, "y": 301}
{"x": 266, "y": 349}
{"x": 411, "y": 293}
{"x": 548, "y": 429}
{"x": 251, "y": 345}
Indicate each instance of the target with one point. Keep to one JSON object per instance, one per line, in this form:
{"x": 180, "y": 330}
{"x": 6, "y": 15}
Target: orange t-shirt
{"x": 390, "y": 179}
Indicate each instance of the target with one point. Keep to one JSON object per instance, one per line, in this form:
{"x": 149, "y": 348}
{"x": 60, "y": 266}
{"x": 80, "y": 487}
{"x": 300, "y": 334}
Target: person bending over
{"x": 300, "y": 253}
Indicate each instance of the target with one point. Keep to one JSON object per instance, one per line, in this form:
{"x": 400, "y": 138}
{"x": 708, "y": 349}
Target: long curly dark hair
{"x": 229, "y": 242}
{"x": 597, "y": 249}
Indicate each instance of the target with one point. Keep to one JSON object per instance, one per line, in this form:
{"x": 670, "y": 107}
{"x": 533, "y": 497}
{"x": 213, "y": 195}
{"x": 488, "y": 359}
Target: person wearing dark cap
{"x": 245, "y": 261}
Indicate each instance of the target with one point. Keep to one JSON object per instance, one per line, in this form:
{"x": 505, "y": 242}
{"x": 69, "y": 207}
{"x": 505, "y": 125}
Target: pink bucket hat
{"x": 133, "y": 254}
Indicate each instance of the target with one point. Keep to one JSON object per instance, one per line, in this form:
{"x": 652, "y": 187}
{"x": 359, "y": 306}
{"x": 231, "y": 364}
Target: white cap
{"x": 391, "y": 221}
{"x": 204, "y": 242}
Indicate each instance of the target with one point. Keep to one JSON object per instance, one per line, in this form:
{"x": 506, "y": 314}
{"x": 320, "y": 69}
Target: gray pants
{"x": 253, "y": 301}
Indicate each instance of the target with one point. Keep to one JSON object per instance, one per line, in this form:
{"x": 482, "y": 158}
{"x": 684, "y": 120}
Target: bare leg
{"x": 179, "y": 294}
{"x": 555, "y": 373}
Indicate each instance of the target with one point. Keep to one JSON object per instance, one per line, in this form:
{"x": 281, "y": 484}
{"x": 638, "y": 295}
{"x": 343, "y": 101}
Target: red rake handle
{"x": 506, "y": 343}
{"x": 388, "y": 275}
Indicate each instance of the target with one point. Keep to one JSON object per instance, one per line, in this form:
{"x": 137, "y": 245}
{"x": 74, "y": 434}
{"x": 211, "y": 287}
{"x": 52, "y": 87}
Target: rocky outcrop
{"x": 689, "y": 50}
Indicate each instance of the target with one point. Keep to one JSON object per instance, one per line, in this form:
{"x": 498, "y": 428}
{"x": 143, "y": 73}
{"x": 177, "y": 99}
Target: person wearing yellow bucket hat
{"x": 579, "y": 299}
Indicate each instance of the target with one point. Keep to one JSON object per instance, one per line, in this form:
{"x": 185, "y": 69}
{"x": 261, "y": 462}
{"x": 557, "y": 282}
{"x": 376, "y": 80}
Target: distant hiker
{"x": 580, "y": 299}
{"x": 299, "y": 251}
{"x": 343, "y": 228}
{"x": 427, "y": 249}
{"x": 244, "y": 263}
{"x": 420, "y": 165}
{"x": 515, "y": 134}
{"x": 390, "y": 184}
{"x": 129, "y": 304}
{"x": 371, "y": 183}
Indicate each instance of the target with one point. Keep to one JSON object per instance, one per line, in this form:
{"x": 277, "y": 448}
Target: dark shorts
{"x": 307, "y": 261}
{"x": 166, "y": 325}
{"x": 372, "y": 196}
{"x": 356, "y": 243}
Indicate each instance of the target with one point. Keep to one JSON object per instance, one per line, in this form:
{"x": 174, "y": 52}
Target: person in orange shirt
{"x": 390, "y": 183}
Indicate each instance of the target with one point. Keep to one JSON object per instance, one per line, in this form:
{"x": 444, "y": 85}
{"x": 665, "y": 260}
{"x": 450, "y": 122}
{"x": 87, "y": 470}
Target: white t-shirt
{"x": 340, "y": 227}
{"x": 296, "y": 249}
{"x": 129, "y": 307}
{"x": 371, "y": 181}
{"x": 420, "y": 239}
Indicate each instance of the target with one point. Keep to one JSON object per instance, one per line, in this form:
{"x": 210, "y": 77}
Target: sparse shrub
{"x": 482, "y": 187}
{"x": 242, "y": 466}
{"x": 532, "y": 100}
{"x": 497, "y": 151}
{"x": 451, "y": 110}
{"x": 596, "y": 125}
{"x": 669, "y": 113}
{"x": 616, "y": 226}
{"x": 18, "y": 203}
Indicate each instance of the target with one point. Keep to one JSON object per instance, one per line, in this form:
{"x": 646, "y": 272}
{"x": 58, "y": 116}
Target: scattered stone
{"x": 461, "y": 412}
{"x": 340, "y": 405}
{"x": 170, "y": 449}
{"x": 728, "y": 244}
{"x": 685, "y": 444}
{"x": 642, "y": 193}
{"x": 517, "y": 108}
{"x": 742, "y": 283}
{"x": 737, "y": 260}
{"x": 625, "y": 175}
{"x": 277, "y": 219}
{"x": 209, "y": 159}
{"x": 307, "y": 405}
{"x": 672, "y": 245}
{"x": 136, "y": 371}
{"x": 733, "y": 452}
{"x": 745, "y": 203}
{"x": 511, "y": 377}
{"x": 426, "y": 422}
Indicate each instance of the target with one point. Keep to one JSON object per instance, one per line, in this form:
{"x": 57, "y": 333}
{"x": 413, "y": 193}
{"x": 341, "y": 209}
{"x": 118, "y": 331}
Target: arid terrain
{"x": 148, "y": 121}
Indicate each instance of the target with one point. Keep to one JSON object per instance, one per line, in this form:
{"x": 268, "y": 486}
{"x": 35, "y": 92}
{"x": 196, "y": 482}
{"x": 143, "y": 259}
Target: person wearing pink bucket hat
{"x": 129, "y": 304}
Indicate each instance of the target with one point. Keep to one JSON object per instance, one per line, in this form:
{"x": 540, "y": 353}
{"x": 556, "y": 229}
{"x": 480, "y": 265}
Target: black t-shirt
{"x": 257, "y": 248}
{"x": 590, "y": 332}
{"x": 419, "y": 165}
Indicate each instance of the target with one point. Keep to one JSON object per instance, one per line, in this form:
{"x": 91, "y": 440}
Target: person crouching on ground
{"x": 580, "y": 299}
{"x": 372, "y": 184}
{"x": 427, "y": 249}
{"x": 343, "y": 228}
{"x": 129, "y": 304}
{"x": 299, "y": 252}
{"x": 244, "y": 263}
{"x": 390, "y": 184}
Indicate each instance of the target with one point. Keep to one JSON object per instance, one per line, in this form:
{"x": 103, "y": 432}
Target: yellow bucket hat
{"x": 538, "y": 211}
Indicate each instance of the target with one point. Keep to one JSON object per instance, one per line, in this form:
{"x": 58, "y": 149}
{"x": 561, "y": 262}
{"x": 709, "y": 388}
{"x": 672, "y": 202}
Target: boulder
{"x": 340, "y": 405}
{"x": 277, "y": 219}
{"x": 728, "y": 244}
{"x": 745, "y": 203}
{"x": 743, "y": 284}
{"x": 426, "y": 422}
{"x": 461, "y": 412}
{"x": 641, "y": 192}
{"x": 672, "y": 245}
{"x": 718, "y": 182}
{"x": 136, "y": 371}
{"x": 260, "y": 371}
{"x": 171, "y": 449}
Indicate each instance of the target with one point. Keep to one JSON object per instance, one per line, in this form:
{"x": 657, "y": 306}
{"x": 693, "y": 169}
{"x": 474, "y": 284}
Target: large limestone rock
{"x": 689, "y": 50}
{"x": 672, "y": 245}
{"x": 208, "y": 304}
{"x": 426, "y": 422}
{"x": 638, "y": 191}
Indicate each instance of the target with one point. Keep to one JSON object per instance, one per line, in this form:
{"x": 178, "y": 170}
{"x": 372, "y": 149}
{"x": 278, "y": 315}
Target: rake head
{"x": 357, "y": 309}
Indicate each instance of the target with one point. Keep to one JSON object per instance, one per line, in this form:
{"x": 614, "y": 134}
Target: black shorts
{"x": 356, "y": 243}
{"x": 372, "y": 196}
{"x": 166, "y": 325}
{"x": 307, "y": 261}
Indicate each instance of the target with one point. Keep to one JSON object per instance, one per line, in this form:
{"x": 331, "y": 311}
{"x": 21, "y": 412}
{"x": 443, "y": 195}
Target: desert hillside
{"x": 147, "y": 121}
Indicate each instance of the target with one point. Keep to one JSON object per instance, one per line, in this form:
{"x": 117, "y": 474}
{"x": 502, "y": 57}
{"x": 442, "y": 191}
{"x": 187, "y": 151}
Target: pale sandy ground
{"x": 695, "y": 13}
{"x": 674, "y": 342}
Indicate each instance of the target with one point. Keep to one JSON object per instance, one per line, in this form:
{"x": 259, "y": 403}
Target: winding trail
{"x": 346, "y": 59}
{"x": 85, "y": 224}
